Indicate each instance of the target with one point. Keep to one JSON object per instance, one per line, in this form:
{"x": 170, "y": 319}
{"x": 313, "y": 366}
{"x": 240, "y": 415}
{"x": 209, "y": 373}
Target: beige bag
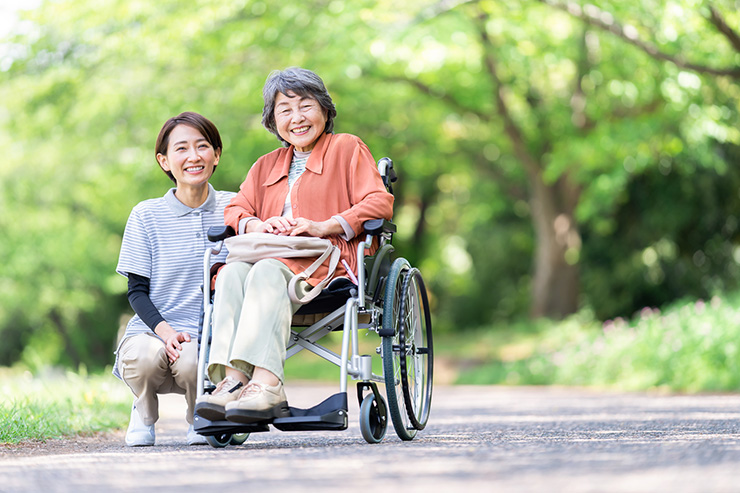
{"x": 252, "y": 247}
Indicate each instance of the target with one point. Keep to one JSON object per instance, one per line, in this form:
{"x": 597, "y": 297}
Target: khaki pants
{"x": 252, "y": 313}
{"x": 144, "y": 366}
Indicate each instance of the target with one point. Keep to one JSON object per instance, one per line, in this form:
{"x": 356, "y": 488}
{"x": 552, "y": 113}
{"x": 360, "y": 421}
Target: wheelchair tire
{"x": 417, "y": 358}
{"x": 238, "y": 438}
{"x": 392, "y": 350}
{"x": 219, "y": 441}
{"x": 373, "y": 423}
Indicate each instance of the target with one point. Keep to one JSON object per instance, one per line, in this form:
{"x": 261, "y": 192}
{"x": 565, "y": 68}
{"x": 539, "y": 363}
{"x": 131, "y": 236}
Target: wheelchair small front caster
{"x": 223, "y": 439}
{"x": 238, "y": 438}
{"x": 373, "y": 419}
{"x": 219, "y": 441}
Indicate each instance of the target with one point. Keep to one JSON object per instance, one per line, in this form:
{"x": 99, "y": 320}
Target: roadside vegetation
{"x": 52, "y": 404}
{"x": 689, "y": 346}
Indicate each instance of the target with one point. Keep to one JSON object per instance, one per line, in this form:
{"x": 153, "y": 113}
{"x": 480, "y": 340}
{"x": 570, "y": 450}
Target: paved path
{"x": 478, "y": 439}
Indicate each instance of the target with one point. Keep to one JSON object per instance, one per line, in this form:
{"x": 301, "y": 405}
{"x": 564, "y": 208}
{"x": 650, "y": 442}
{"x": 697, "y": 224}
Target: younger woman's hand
{"x": 173, "y": 345}
{"x": 172, "y": 340}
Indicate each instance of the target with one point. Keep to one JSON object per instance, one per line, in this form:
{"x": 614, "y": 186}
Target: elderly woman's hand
{"x": 319, "y": 229}
{"x": 277, "y": 225}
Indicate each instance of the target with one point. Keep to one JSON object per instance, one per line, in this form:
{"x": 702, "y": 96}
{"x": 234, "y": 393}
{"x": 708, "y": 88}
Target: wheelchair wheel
{"x": 393, "y": 351}
{"x": 219, "y": 441}
{"x": 373, "y": 422}
{"x": 238, "y": 438}
{"x": 417, "y": 356}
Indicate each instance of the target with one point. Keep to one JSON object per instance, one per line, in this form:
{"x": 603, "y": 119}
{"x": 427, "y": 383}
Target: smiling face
{"x": 299, "y": 120}
{"x": 190, "y": 157}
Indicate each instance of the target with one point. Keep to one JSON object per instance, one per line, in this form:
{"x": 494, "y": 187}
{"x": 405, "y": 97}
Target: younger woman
{"x": 162, "y": 257}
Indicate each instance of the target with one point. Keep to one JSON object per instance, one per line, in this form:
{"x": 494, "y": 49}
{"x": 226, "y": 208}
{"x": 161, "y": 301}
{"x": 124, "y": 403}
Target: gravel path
{"x": 478, "y": 438}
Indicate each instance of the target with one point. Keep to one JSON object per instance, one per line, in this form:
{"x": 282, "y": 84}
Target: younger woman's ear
{"x": 162, "y": 160}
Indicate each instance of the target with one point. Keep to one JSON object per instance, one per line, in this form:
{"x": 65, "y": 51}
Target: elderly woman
{"x": 162, "y": 258}
{"x": 319, "y": 184}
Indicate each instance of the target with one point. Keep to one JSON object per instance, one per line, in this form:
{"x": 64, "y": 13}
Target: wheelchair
{"x": 387, "y": 297}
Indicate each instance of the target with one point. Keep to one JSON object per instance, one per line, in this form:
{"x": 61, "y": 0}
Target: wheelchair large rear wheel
{"x": 417, "y": 355}
{"x": 392, "y": 350}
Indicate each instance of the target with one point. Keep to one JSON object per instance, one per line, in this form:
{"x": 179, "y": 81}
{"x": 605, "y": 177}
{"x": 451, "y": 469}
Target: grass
{"x": 59, "y": 404}
{"x": 690, "y": 346}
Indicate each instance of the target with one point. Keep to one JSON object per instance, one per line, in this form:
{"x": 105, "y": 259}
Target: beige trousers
{"x": 252, "y": 313}
{"x": 144, "y": 366}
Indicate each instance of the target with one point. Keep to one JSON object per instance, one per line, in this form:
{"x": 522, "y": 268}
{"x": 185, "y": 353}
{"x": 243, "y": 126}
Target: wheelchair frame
{"x": 391, "y": 299}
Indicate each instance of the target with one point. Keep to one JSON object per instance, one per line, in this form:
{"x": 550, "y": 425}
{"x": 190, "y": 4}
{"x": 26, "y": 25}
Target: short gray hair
{"x": 302, "y": 82}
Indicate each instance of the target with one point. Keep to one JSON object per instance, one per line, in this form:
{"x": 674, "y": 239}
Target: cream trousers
{"x": 144, "y": 366}
{"x": 252, "y": 313}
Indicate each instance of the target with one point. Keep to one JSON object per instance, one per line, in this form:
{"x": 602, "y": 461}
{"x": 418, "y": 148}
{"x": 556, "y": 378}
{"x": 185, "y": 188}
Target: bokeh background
{"x": 556, "y": 158}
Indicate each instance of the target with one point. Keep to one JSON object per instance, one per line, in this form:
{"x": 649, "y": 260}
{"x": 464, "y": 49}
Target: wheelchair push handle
{"x": 218, "y": 233}
{"x": 374, "y": 227}
{"x": 385, "y": 167}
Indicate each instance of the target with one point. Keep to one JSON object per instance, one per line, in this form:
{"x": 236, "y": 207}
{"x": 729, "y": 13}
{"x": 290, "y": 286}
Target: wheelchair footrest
{"x": 206, "y": 427}
{"x": 331, "y": 414}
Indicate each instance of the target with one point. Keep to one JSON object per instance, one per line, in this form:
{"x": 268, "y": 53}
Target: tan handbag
{"x": 253, "y": 247}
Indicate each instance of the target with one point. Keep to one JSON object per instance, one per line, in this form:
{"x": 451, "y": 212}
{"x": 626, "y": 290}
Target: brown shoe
{"x": 258, "y": 402}
{"x": 211, "y": 406}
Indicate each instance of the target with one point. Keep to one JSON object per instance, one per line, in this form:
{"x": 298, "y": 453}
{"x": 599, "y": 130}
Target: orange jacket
{"x": 341, "y": 178}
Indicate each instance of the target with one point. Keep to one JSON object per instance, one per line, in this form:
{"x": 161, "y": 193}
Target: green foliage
{"x": 691, "y": 346}
{"x": 86, "y": 85}
{"x": 54, "y": 405}
{"x": 681, "y": 223}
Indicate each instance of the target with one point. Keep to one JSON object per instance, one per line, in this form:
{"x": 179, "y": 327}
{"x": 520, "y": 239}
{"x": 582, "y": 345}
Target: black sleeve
{"x": 138, "y": 297}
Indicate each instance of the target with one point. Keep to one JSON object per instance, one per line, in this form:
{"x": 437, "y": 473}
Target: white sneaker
{"x": 194, "y": 438}
{"x": 139, "y": 434}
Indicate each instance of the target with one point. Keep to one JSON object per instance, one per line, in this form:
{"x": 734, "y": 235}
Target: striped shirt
{"x": 297, "y": 167}
{"x": 165, "y": 240}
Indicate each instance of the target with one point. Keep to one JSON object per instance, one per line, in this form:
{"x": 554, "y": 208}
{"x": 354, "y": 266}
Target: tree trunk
{"x": 555, "y": 283}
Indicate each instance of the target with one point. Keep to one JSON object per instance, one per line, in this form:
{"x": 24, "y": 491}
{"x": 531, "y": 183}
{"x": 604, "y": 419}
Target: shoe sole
{"x": 139, "y": 444}
{"x": 247, "y": 416}
{"x": 211, "y": 412}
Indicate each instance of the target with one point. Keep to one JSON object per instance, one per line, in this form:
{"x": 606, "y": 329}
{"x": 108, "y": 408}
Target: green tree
{"x": 581, "y": 107}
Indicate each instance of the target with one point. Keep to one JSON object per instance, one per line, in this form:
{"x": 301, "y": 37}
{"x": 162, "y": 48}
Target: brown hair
{"x": 191, "y": 119}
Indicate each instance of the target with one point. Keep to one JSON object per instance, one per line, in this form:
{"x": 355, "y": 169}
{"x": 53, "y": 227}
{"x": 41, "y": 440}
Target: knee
{"x": 186, "y": 365}
{"x": 189, "y": 356}
{"x": 231, "y": 275}
{"x": 266, "y": 273}
{"x": 149, "y": 357}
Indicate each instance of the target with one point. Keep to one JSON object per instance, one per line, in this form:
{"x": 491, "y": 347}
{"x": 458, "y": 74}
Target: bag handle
{"x": 331, "y": 250}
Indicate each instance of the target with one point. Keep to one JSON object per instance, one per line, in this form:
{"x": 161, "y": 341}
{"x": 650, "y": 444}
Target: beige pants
{"x": 252, "y": 313}
{"x": 144, "y": 366}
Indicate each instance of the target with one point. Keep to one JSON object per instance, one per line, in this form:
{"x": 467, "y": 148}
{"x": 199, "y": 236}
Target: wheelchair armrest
{"x": 218, "y": 233}
{"x": 375, "y": 227}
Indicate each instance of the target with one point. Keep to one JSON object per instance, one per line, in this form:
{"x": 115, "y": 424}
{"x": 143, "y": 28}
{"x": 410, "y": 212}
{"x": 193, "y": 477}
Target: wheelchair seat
{"x": 331, "y": 297}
